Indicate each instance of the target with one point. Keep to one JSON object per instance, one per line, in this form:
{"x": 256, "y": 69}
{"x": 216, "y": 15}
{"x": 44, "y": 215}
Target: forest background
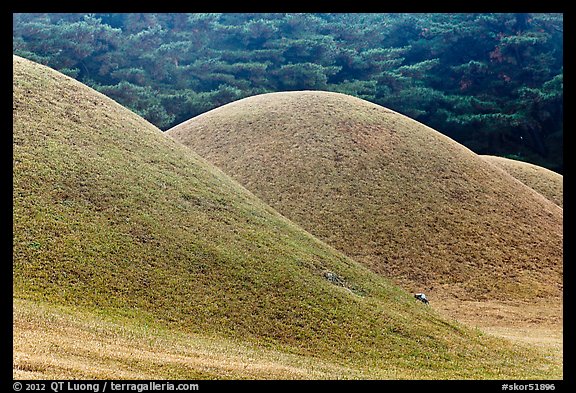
{"x": 493, "y": 82}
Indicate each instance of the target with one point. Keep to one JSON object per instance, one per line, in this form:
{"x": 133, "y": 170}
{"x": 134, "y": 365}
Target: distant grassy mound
{"x": 389, "y": 192}
{"x": 546, "y": 182}
{"x": 133, "y": 257}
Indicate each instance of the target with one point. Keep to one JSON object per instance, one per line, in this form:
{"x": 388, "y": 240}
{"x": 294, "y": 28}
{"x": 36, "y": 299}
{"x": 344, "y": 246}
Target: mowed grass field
{"x": 135, "y": 258}
{"x": 58, "y": 342}
{"x": 94, "y": 347}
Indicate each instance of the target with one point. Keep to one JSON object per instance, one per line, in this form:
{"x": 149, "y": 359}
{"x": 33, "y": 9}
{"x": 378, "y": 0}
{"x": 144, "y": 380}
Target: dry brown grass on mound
{"x": 546, "y": 182}
{"x": 390, "y": 192}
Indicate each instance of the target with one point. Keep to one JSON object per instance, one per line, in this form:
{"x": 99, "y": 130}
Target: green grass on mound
{"x": 113, "y": 220}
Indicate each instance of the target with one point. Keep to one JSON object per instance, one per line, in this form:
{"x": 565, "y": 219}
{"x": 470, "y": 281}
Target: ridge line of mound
{"x": 544, "y": 181}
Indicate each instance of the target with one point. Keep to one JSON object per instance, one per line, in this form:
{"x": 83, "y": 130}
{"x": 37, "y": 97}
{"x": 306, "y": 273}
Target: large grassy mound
{"x": 389, "y": 192}
{"x": 546, "y": 182}
{"x": 133, "y": 257}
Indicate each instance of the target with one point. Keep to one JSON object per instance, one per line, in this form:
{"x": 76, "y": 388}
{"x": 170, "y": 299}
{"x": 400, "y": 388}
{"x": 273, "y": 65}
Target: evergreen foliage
{"x": 493, "y": 82}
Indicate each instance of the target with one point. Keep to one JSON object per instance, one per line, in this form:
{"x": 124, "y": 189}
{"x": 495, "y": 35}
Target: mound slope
{"x": 115, "y": 219}
{"x": 546, "y": 182}
{"x": 389, "y": 192}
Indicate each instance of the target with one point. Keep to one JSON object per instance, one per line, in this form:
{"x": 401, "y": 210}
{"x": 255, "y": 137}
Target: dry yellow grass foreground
{"x": 61, "y": 343}
{"x": 133, "y": 257}
{"x": 546, "y": 182}
{"x": 58, "y": 342}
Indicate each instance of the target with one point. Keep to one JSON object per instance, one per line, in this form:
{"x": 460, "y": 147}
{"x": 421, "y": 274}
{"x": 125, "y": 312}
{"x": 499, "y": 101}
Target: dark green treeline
{"x": 493, "y": 82}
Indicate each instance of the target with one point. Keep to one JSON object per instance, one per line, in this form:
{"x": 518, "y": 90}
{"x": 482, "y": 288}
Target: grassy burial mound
{"x": 127, "y": 248}
{"x": 546, "y": 182}
{"x": 389, "y": 192}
